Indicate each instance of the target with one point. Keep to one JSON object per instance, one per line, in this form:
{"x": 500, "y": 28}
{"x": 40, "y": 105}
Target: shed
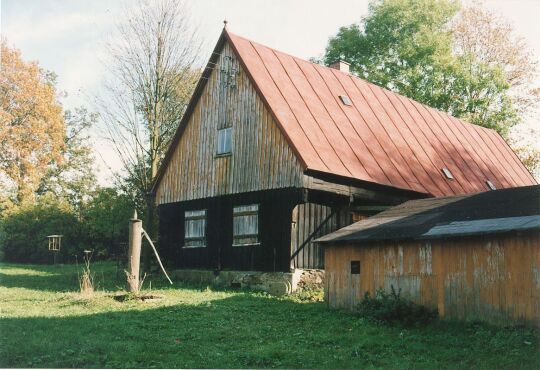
{"x": 474, "y": 256}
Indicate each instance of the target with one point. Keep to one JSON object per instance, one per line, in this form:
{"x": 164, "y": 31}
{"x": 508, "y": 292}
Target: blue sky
{"x": 69, "y": 36}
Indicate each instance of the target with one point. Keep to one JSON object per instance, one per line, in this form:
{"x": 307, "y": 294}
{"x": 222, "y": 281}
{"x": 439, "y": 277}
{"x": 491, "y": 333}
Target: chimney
{"x": 340, "y": 65}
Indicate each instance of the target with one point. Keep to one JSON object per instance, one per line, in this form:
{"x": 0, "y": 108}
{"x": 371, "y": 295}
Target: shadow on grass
{"x": 250, "y": 331}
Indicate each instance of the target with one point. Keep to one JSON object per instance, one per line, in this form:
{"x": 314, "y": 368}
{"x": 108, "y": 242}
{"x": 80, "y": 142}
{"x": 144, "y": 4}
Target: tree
{"x": 31, "y": 123}
{"x": 407, "y": 46}
{"x": 153, "y": 76}
{"x": 491, "y": 40}
{"x": 73, "y": 177}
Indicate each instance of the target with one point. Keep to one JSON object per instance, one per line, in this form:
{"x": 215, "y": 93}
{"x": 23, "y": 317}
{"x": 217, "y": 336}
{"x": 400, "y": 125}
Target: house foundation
{"x": 275, "y": 283}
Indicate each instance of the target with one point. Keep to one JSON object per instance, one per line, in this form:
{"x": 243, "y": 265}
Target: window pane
{"x": 195, "y": 228}
{"x": 224, "y": 142}
{"x": 246, "y": 224}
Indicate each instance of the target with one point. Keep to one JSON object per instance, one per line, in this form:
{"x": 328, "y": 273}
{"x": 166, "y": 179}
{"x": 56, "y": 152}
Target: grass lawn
{"x": 44, "y": 322}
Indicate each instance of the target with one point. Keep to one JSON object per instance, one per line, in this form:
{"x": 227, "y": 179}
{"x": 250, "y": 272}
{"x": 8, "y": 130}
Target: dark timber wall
{"x": 273, "y": 253}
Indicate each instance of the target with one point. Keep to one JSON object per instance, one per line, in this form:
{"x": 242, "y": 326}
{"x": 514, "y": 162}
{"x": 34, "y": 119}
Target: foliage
{"x": 25, "y": 228}
{"x": 32, "y": 126}
{"x": 105, "y": 219}
{"x": 194, "y": 328}
{"x": 392, "y": 308}
{"x": 100, "y": 226}
{"x": 492, "y": 41}
{"x": 407, "y": 46}
{"x": 73, "y": 177}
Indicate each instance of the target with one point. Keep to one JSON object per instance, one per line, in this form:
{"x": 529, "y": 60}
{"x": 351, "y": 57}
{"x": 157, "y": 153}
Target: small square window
{"x": 491, "y": 185}
{"x": 246, "y": 225}
{"x": 195, "y": 229}
{"x": 224, "y": 141}
{"x": 447, "y": 173}
{"x": 345, "y": 99}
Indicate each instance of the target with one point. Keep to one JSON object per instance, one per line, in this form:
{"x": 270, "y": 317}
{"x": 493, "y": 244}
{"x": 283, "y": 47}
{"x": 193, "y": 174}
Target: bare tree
{"x": 153, "y": 73}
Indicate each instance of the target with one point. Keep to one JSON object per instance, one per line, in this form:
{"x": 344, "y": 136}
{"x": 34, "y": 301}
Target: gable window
{"x": 246, "y": 225}
{"x": 224, "y": 141}
{"x": 195, "y": 229}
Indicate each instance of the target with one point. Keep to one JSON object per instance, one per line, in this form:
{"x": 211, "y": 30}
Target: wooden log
{"x": 134, "y": 254}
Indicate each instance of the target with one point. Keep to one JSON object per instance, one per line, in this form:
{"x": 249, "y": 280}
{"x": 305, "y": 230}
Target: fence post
{"x": 134, "y": 254}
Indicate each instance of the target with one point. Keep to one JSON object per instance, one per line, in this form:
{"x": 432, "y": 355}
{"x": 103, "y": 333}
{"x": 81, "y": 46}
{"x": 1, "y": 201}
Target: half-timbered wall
{"x": 260, "y": 159}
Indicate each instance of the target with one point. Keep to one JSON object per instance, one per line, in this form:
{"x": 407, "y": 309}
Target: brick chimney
{"x": 340, "y": 65}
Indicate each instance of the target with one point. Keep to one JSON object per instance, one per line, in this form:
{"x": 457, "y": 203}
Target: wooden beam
{"x": 353, "y": 192}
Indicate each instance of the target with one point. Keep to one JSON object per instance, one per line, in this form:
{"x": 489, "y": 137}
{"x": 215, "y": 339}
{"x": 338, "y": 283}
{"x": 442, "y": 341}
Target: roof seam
{"x": 309, "y": 109}
{"x": 292, "y": 112}
{"x": 414, "y": 152}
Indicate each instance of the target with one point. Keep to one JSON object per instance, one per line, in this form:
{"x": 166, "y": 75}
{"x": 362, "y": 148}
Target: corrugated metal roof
{"x": 493, "y": 211}
{"x": 382, "y": 137}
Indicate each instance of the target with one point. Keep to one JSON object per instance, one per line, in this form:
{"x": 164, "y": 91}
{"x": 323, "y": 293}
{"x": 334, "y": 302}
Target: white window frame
{"x": 224, "y": 141}
{"x": 195, "y": 241}
{"x": 242, "y": 216}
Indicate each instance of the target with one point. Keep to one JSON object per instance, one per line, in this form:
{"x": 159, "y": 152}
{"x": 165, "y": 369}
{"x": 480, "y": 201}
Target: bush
{"x": 391, "y": 308}
{"x": 25, "y": 229}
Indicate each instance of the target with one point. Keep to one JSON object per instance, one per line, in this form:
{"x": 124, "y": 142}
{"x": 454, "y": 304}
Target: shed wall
{"x": 493, "y": 278}
{"x": 260, "y": 159}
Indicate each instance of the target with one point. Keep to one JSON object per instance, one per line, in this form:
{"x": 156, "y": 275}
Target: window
{"x": 246, "y": 225}
{"x": 224, "y": 143}
{"x": 355, "y": 267}
{"x": 195, "y": 229}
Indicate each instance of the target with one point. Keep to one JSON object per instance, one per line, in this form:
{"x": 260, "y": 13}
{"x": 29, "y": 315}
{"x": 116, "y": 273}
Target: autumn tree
{"x": 31, "y": 123}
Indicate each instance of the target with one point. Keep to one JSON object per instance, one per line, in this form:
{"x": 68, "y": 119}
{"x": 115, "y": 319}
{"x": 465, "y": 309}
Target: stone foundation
{"x": 275, "y": 283}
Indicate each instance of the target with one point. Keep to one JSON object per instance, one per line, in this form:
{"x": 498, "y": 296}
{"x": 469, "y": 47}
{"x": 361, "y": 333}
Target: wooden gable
{"x": 260, "y": 157}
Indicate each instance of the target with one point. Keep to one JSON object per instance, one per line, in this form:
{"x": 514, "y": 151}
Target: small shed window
{"x": 447, "y": 173}
{"x": 224, "y": 144}
{"x": 355, "y": 267}
{"x": 195, "y": 229}
{"x": 246, "y": 225}
{"x": 491, "y": 185}
{"x": 345, "y": 99}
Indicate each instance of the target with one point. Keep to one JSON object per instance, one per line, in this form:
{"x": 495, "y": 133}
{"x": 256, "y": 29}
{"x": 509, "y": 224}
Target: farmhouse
{"x": 474, "y": 256}
{"x": 274, "y": 151}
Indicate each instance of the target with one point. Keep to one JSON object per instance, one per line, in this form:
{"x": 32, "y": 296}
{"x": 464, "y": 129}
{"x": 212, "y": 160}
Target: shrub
{"x": 25, "y": 228}
{"x": 392, "y": 308}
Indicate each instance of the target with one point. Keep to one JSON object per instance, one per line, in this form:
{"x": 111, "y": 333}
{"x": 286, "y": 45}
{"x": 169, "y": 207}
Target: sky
{"x": 69, "y": 37}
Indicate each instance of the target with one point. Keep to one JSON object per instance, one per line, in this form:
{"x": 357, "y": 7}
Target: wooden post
{"x": 134, "y": 254}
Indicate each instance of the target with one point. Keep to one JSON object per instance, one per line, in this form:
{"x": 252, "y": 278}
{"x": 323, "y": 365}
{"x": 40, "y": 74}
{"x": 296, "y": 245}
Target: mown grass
{"x": 44, "y": 322}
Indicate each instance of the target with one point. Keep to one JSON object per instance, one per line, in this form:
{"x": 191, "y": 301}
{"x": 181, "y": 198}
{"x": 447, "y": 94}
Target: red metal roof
{"x": 382, "y": 137}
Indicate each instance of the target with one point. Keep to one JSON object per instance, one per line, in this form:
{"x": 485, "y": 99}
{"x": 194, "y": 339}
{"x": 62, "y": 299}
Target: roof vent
{"x": 491, "y": 185}
{"x": 340, "y": 65}
{"x": 345, "y": 99}
{"x": 447, "y": 173}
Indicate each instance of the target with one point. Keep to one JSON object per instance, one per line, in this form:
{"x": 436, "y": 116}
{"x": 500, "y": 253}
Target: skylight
{"x": 345, "y": 99}
{"x": 491, "y": 185}
{"x": 447, "y": 173}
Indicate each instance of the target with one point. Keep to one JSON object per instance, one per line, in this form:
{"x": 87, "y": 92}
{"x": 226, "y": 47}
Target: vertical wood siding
{"x": 306, "y": 218}
{"x": 492, "y": 278}
{"x": 260, "y": 159}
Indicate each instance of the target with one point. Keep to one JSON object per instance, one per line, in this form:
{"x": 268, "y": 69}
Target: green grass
{"x": 44, "y": 322}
